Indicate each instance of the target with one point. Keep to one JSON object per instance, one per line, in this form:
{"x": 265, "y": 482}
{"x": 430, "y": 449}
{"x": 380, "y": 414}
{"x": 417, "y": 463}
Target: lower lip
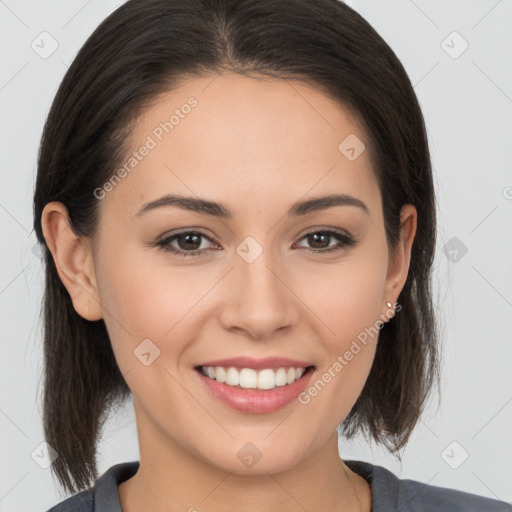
{"x": 253, "y": 400}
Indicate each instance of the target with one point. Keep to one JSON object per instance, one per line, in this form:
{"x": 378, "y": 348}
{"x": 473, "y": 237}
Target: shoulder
{"x": 81, "y": 502}
{"x": 103, "y": 496}
{"x": 422, "y": 497}
{"x": 390, "y": 493}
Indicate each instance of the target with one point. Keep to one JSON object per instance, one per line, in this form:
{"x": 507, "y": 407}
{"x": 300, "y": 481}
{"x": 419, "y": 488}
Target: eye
{"x": 189, "y": 243}
{"x": 319, "y": 238}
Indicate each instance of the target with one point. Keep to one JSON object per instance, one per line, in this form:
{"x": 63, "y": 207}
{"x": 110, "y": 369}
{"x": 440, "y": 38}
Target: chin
{"x": 255, "y": 458}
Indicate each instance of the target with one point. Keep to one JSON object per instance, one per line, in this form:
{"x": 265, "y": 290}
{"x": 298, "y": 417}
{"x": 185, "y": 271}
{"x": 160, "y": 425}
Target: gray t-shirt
{"x": 389, "y": 493}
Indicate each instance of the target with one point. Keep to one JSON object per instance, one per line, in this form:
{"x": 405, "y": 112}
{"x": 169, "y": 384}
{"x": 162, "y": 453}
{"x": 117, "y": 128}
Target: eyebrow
{"x": 204, "y": 206}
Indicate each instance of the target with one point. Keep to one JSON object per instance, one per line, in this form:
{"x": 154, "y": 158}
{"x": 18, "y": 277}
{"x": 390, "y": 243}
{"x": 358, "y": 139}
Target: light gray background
{"x": 467, "y": 103}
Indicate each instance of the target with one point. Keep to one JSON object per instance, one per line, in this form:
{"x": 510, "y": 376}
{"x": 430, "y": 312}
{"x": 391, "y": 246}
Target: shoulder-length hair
{"x": 145, "y": 48}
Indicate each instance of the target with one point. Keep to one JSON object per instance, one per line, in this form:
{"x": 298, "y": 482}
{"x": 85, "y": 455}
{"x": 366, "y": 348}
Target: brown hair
{"x": 143, "y": 49}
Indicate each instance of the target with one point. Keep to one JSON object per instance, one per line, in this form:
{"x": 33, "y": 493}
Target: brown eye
{"x": 188, "y": 243}
{"x": 319, "y": 241}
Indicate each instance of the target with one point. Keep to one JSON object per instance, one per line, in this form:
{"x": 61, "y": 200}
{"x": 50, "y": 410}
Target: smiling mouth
{"x": 249, "y": 378}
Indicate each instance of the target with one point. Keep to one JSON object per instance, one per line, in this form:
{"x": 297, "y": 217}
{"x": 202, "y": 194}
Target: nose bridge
{"x": 261, "y": 303}
{"x": 256, "y": 268}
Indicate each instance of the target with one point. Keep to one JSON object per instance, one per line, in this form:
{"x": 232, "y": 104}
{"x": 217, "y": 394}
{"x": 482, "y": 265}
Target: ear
{"x": 399, "y": 262}
{"x": 73, "y": 259}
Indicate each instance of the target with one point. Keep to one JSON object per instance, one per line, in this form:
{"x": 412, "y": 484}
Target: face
{"x": 179, "y": 288}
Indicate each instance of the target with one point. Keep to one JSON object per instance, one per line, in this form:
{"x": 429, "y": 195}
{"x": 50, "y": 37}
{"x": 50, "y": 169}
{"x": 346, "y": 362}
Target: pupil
{"x": 313, "y": 239}
{"x": 188, "y": 237}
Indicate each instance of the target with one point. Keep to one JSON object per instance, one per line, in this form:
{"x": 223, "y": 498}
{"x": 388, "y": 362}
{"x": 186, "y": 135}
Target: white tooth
{"x": 266, "y": 379}
{"x": 248, "y": 378}
{"x": 281, "y": 377}
{"x": 232, "y": 377}
{"x": 220, "y": 374}
{"x": 290, "y": 375}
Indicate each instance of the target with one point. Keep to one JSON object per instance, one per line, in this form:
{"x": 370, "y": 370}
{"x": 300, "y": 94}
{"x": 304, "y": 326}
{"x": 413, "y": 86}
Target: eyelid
{"x": 322, "y": 229}
{"x": 345, "y": 241}
{"x": 174, "y": 233}
{"x": 200, "y": 231}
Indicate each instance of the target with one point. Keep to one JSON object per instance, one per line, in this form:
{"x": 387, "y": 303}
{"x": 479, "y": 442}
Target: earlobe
{"x": 72, "y": 255}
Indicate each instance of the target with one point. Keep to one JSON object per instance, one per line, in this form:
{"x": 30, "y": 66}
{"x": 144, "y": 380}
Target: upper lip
{"x": 258, "y": 364}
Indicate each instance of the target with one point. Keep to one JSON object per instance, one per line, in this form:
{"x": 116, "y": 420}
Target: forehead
{"x": 220, "y": 136}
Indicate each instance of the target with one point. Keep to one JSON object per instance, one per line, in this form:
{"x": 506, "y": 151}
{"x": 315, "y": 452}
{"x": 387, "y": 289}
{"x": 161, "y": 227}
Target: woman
{"x": 238, "y": 213}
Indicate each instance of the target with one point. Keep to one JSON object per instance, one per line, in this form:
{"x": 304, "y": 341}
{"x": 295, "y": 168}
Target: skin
{"x": 257, "y": 146}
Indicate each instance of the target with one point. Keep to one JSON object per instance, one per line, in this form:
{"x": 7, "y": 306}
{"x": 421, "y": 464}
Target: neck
{"x": 172, "y": 478}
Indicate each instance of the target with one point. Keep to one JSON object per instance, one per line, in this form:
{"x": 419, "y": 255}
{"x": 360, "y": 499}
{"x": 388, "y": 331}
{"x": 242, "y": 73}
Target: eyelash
{"x": 345, "y": 242}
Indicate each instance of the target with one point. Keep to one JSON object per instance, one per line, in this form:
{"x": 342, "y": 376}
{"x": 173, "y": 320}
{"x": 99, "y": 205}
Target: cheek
{"x": 350, "y": 306}
{"x": 348, "y": 296}
{"x": 134, "y": 292}
{"x": 131, "y": 298}
{"x": 350, "y": 349}
{"x": 142, "y": 300}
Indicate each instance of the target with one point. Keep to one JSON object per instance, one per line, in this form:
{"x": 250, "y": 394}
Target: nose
{"x": 259, "y": 299}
